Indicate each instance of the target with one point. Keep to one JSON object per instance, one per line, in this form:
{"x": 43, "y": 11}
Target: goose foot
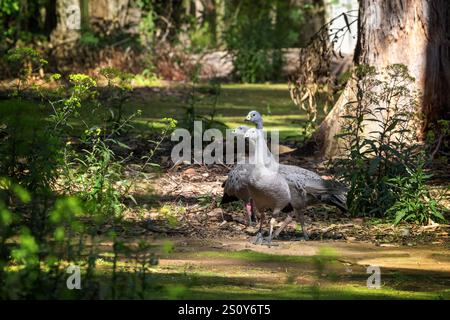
{"x": 258, "y": 239}
{"x": 268, "y": 242}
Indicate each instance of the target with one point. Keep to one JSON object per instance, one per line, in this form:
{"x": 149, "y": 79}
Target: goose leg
{"x": 251, "y": 215}
{"x": 301, "y": 218}
{"x": 258, "y": 239}
{"x": 254, "y": 218}
{"x": 268, "y": 240}
{"x": 248, "y": 208}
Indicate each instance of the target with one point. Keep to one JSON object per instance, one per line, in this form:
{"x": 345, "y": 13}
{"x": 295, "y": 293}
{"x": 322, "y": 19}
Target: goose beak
{"x": 248, "y": 118}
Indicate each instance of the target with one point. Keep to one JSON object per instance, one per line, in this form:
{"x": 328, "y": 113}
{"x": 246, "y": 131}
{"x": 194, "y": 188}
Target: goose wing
{"x": 235, "y": 186}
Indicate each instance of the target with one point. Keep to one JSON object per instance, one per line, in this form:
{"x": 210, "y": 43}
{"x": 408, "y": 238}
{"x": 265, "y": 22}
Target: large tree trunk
{"x": 410, "y": 32}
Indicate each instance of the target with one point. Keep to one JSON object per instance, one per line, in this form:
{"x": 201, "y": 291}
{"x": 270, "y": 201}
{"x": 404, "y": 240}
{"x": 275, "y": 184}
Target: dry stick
{"x": 282, "y": 227}
{"x": 436, "y": 149}
{"x": 339, "y": 226}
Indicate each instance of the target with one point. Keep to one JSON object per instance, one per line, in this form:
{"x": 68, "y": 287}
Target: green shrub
{"x": 413, "y": 200}
{"x": 59, "y": 188}
{"x": 381, "y": 157}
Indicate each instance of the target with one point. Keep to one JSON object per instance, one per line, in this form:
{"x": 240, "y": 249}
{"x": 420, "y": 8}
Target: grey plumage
{"x": 236, "y": 183}
{"x": 268, "y": 189}
{"x": 316, "y": 189}
{"x": 284, "y": 187}
{"x": 235, "y": 186}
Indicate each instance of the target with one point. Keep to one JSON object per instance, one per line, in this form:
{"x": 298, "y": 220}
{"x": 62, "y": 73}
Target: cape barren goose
{"x": 267, "y": 188}
{"x": 307, "y": 187}
{"x": 235, "y": 186}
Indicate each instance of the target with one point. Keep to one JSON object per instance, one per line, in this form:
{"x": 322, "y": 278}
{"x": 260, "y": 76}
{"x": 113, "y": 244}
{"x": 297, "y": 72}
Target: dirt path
{"x": 422, "y": 258}
{"x": 236, "y": 269}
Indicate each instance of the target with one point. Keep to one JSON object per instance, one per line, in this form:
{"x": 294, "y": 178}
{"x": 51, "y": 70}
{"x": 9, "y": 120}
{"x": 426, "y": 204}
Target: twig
{"x": 436, "y": 149}
{"x": 339, "y": 226}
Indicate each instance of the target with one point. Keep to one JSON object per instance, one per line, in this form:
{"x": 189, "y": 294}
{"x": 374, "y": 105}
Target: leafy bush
{"x": 381, "y": 155}
{"x": 60, "y": 188}
{"x": 23, "y": 63}
{"x": 413, "y": 200}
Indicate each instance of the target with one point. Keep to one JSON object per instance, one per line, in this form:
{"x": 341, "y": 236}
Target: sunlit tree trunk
{"x": 410, "y": 32}
{"x": 68, "y": 22}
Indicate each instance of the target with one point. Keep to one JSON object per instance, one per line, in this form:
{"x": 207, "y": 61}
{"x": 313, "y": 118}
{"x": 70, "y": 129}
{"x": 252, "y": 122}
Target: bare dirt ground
{"x": 188, "y": 197}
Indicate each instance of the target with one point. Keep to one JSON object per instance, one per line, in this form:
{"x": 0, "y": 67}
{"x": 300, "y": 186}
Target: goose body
{"x": 268, "y": 189}
{"x": 235, "y": 186}
{"x": 305, "y": 187}
{"x": 316, "y": 189}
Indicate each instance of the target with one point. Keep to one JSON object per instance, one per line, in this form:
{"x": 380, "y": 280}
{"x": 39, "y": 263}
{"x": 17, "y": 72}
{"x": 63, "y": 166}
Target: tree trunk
{"x": 84, "y": 12}
{"x": 410, "y": 32}
{"x": 68, "y": 22}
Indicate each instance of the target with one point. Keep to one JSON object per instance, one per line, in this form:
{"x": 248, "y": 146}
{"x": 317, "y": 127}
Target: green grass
{"x": 326, "y": 255}
{"x": 233, "y": 104}
{"x": 235, "y": 101}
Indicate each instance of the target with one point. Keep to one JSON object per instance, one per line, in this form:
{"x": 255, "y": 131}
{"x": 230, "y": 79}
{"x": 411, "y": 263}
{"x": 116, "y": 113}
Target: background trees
{"x": 255, "y": 33}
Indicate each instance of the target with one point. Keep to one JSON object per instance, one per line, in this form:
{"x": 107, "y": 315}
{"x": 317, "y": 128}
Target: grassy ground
{"x": 233, "y": 104}
{"x": 231, "y": 107}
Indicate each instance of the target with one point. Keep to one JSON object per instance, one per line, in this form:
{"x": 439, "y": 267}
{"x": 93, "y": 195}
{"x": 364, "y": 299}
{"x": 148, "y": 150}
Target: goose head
{"x": 252, "y": 134}
{"x": 256, "y": 118}
{"x": 240, "y": 131}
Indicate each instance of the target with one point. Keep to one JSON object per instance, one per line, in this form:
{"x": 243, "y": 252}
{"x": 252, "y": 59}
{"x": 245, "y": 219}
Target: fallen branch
{"x": 334, "y": 227}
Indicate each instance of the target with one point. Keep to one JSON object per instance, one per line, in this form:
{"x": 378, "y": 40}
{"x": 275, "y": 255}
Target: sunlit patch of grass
{"x": 325, "y": 255}
{"x": 140, "y": 80}
{"x": 235, "y": 101}
{"x": 233, "y": 104}
{"x": 253, "y": 256}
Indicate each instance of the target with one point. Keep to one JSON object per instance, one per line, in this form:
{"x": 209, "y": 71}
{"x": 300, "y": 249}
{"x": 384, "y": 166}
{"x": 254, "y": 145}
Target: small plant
{"x": 169, "y": 125}
{"x": 117, "y": 92}
{"x": 24, "y": 62}
{"x": 414, "y": 202}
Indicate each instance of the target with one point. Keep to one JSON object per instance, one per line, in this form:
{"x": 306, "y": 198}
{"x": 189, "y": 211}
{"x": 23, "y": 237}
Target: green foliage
{"x": 256, "y": 38}
{"x": 381, "y": 155}
{"x": 116, "y": 93}
{"x": 54, "y": 193}
{"x": 8, "y": 9}
{"x": 200, "y": 37}
{"x": 413, "y": 200}
{"x": 169, "y": 125}
{"x": 23, "y": 63}
{"x": 147, "y": 24}
{"x": 89, "y": 39}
